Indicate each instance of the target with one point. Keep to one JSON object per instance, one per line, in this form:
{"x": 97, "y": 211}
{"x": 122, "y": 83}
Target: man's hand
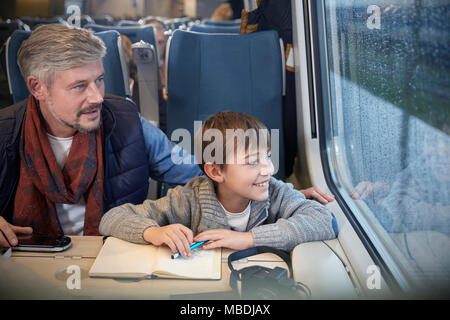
{"x": 8, "y": 233}
{"x": 226, "y": 238}
{"x": 316, "y": 193}
{"x": 176, "y": 236}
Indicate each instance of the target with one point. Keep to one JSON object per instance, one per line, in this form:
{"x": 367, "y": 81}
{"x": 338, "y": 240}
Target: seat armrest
{"x": 317, "y": 266}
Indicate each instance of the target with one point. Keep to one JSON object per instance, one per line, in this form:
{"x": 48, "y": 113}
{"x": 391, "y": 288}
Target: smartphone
{"x": 42, "y": 242}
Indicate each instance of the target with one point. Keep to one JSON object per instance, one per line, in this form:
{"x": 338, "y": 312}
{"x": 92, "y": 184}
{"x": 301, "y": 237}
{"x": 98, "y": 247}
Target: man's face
{"x": 75, "y": 98}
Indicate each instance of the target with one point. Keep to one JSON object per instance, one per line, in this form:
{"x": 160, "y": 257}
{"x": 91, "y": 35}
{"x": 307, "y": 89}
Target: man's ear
{"x": 214, "y": 171}
{"x": 37, "y": 88}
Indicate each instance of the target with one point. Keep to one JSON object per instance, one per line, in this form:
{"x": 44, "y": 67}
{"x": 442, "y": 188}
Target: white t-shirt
{"x": 71, "y": 216}
{"x": 238, "y": 221}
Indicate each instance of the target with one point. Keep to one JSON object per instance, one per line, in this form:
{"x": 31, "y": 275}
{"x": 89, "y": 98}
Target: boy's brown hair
{"x": 229, "y": 120}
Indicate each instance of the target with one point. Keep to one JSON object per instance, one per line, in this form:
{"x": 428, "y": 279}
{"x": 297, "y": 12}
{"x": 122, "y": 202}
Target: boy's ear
{"x": 213, "y": 171}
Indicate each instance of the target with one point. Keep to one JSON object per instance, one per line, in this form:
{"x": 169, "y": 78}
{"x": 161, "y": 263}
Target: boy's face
{"x": 248, "y": 177}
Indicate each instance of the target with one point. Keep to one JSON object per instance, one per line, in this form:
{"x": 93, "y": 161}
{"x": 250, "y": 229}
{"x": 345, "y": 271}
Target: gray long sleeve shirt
{"x": 283, "y": 221}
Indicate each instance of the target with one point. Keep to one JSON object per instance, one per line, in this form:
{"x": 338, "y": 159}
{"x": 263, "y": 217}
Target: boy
{"x": 237, "y": 204}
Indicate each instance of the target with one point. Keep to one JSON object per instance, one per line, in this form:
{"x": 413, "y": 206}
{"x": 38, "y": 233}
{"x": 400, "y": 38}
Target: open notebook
{"x": 123, "y": 259}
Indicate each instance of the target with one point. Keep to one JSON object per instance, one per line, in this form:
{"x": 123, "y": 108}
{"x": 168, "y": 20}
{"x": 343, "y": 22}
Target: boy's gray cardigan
{"x": 283, "y": 221}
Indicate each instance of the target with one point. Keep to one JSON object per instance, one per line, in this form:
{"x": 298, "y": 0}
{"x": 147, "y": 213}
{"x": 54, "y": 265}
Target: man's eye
{"x": 100, "y": 80}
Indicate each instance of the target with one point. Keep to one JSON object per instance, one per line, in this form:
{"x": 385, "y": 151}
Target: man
{"x": 70, "y": 153}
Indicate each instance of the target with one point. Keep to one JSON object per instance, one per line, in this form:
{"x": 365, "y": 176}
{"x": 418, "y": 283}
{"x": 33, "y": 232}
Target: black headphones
{"x": 258, "y": 282}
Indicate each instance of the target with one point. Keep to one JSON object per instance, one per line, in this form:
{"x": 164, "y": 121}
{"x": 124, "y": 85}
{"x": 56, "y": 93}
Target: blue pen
{"x": 192, "y": 247}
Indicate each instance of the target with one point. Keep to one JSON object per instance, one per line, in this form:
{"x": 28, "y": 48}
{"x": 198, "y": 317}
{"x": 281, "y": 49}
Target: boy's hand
{"x": 226, "y": 238}
{"x": 176, "y": 236}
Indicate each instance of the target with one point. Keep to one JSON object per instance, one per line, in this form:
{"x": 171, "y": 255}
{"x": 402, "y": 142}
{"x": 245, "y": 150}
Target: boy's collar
{"x": 213, "y": 216}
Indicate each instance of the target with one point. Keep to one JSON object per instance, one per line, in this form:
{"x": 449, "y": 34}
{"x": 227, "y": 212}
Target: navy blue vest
{"x": 125, "y": 157}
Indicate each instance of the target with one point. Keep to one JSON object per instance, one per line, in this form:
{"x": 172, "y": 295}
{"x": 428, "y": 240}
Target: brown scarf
{"x": 43, "y": 183}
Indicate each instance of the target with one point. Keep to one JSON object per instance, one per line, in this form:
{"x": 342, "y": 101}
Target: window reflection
{"x": 389, "y": 67}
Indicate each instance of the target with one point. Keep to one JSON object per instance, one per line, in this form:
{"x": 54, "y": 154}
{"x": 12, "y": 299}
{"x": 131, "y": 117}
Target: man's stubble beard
{"x": 77, "y": 126}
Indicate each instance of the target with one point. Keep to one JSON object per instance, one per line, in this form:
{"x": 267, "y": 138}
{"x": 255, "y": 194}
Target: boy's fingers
{"x": 171, "y": 245}
{"x": 323, "y": 197}
{"x": 328, "y": 197}
{"x": 187, "y": 238}
{"x": 188, "y": 233}
{"x": 202, "y": 236}
{"x": 208, "y": 235}
{"x": 212, "y": 245}
{"x": 180, "y": 242}
{"x": 319, "y": 197}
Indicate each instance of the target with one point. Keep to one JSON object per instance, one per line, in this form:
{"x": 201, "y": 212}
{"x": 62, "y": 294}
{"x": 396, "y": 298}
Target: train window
{"x": 386, "y": 82}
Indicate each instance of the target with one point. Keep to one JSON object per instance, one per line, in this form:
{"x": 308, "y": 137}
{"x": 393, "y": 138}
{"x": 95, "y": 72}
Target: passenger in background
{"x": 70, "y": 153}
{"x": 132, "y": 68}
{"x": 222, "y": 13}
{"x": 237, "y": 205}
{"x": 229, "y": 10}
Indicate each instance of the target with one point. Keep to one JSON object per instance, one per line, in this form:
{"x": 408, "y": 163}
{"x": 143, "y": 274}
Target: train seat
{"x": 136, "y": 33}
{"x": 148, "y": 66}
{"x": 229, "y": 23}
{"x": 208, "y": 73}
{"x": 214, "y": 28}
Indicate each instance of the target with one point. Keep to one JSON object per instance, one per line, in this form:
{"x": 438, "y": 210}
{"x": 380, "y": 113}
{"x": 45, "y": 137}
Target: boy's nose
{"x": 266, "y": 168}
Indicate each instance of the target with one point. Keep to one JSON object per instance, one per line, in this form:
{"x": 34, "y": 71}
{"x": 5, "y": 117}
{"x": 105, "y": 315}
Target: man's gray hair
{"x": 56, "y": 47}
